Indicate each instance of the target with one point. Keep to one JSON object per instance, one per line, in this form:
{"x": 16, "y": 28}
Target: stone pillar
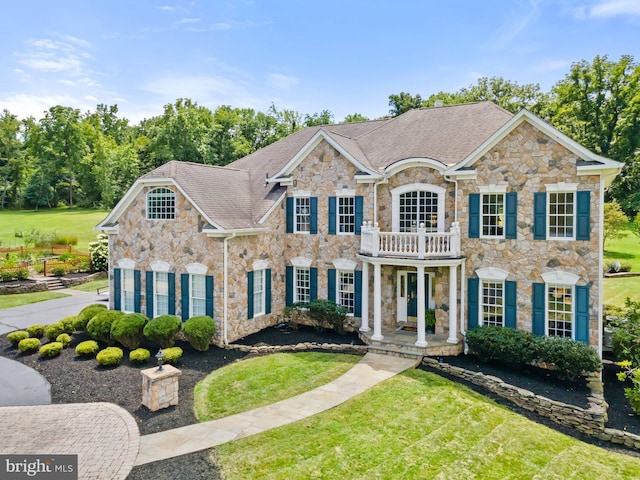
{"x": 377, "y": 303}
{"x": 365, "y": 298}
{"x": 421, "y": 342}
{"x": 453, "y": 304}
{"x": 160, "y": 387}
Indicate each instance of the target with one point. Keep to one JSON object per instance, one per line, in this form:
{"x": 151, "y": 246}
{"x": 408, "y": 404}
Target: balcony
{"x": 420, "y": 245}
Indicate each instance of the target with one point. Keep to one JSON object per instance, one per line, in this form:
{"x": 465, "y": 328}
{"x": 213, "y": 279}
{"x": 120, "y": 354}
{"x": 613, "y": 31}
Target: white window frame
{"x": 560, "y": 280}
{"x": 396, "y": 194}
{"x": 486, "y": 192}
{"x": 490, "y": 275}
{"x": 301, "y": 284}
{"x": 161, "y": 204}
{"x": 160, "y": 275}
{"x": 300, "y": 217}
{"x": 259, "y": 292}
{"x": 350, "y": 225}
{"x": 559, "y": 189}
{"x": 197, "y": 295}
{"x": 128, "y": 295}
{"x": 345, "y": 266}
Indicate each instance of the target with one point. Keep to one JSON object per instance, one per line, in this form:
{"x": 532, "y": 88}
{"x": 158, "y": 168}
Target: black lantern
{"x": 160, "y": 358}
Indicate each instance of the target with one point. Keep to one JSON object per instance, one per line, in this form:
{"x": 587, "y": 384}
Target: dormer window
{"x": 161, "y": 204}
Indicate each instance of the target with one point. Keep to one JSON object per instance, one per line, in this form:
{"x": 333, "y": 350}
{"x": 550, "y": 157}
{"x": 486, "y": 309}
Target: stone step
{"x": 54, "y": 283}
{"x": 393, "y": 350}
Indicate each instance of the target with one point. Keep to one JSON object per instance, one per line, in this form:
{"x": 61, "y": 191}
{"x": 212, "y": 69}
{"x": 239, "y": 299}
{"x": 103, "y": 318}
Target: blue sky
{"x": 344, "y": 56}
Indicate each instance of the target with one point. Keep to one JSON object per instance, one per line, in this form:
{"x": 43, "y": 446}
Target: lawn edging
{"x": 298, "y": 347}
{"x": 590, "y": 421}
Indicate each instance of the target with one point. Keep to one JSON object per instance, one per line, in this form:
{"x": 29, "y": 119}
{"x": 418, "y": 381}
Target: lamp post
{"x": 160, "y": 357}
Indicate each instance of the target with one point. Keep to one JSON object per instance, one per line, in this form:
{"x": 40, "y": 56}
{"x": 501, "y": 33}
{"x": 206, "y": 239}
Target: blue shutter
{"x": 511, "y": 215}
{"x": 474, "y": 215}
{"x": 332, "y": 215}
{"x": 582, "y": 314}
{"x": 267, "y": 291}
{"x": 171, "y": 278}
{"x": 250, "y": 295}
{"x": 472, "y": 303}
{"x": 288, "y": 298}
{"x": 313, "y": 210}
{"x": 583, "y": 208}
{"x": 137, "y": 296}
{"x": 184, "y": 296}
{"x": 117, "y": 289}
{"x": 289, "y": 215}
{"x": 539, "y": 216}
{"x": 538, "y": 302}
{"x": 313, "y": 283}
{"x": 149, "y": 291}
{"x": 510, "y": 311}
{"x": 359, "y": 214}
{"x": 357, "y": 298}
{"x": 208, "y": 283}
{"x": 331, "y": 282}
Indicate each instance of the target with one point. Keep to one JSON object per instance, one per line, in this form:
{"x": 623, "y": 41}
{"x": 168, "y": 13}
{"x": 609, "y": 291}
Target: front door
{"x": 408, "y": 296}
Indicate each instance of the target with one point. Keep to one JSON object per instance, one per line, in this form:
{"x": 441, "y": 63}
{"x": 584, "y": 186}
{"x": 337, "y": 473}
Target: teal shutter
{"x": 208, "y": 305}
{"x": 117, "y": 289}
{"x": 472, "y": 303}
{"x": 357, "y": 298}
{"x": 583, "y": 220}
{"x": 288, "y": 297}
{"x": 149, "y": 291}
{"x": 184, "y": 296}
{"x": 331, "y": 282}
{"x": 511, "y": 215}
{"x": 538, "y": 301}
{"x": 267, "y": 291}
{"x": 539, "y": 216}
{"x": 332, "y": 215}
{"x": 289, "y": 215}
{"x": 359, "y": 218}
{"x": 510, "y": 310}
{"x": 474, "y": 215}
{"x": 313, "y": 210}
{"x": 250, "y": 295}
{"x": 137, "y": 307}
{"x": 171, "y": 278}
{"x": 313, "y": 283}
{"x": 582, "y": 314}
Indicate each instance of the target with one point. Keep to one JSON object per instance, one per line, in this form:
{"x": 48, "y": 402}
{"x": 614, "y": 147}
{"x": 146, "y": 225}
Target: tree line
{"x": 91, "y": 159}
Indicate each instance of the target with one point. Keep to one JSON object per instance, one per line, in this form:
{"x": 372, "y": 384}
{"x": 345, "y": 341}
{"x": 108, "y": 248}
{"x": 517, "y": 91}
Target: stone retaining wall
{"x": 29, "y": 286}
{"x": 73, "y": 281}
{"x": 332, "y": 347}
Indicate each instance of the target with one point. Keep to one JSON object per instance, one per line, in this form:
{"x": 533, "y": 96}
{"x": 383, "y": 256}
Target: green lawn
{"x": 624, "y": 250}
{"x": 418, "y": 426}
{"x": 61, "y": 221}
{"x": 93, "y": 286}
{"x": 9, "y": 301}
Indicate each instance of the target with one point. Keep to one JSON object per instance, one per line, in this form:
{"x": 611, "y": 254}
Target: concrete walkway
{"x": 22, "y": 385}
{"x": 371, "y": 370}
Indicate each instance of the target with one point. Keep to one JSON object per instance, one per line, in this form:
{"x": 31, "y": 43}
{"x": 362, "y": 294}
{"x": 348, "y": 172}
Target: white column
{"x": 377, "y": 303}
{"x": 453, "y": 304}
{"x": 421, "y": 342}
{"x": 364, "y": 327}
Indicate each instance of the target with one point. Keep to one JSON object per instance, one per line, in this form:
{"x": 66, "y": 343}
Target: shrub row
{"x": 7, "y": 275}
{"x": 518, "y": 348}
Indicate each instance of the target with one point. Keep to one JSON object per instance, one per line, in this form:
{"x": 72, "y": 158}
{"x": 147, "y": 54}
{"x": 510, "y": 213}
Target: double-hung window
{"x": 161, "y": 204}
{"x": 560, "y": 310}
{"x": 492, "y": 298}
{"x": 346, "y": 215}
{"x": 493, "y": 215}
{"x": 345, "y": 290}
{"x": 128, "y": 290}
{"x": 561, "y": 214}
{"x": 302, "y": 219}
{"x": 161, "y": 293}
{"x": 302, "y": 285}
{"x": 492, "y": 303}
{"x": 259, "y": 291}
{"x": 198, "y": 295}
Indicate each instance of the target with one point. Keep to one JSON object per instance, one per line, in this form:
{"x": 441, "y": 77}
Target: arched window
{"x": 161, "y": 204}
{"x": 415, "y": 204}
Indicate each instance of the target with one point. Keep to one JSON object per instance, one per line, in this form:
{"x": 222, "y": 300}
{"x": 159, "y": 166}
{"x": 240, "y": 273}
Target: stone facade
{"x": 160, "y": 387}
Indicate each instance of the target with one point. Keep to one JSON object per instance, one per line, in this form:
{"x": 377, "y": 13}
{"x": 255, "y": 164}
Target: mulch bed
{"x": 75, "y": 380}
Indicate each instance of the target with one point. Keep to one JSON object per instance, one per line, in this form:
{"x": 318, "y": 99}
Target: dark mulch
{"x": 74, "y": 380}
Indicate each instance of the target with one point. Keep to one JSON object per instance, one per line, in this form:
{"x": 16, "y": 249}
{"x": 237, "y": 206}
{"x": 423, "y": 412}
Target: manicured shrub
{"x": 626, "y": 334}
{"x": 163, "y": 330}
{"x": 29, "y": 345}
{"x": 128, "y": 329}
{"x": 508, "y": 346}
{"x": 36, "y": 331}
{"x": 59, "y": 271}
{"x": 199, "y": 331}
{"x": 172, "y": 354}
{"x": 570, "y": 358}
{"x": 67, "y": 323}
{"x": 99, "y": 327}
{"x": 52, "y": 331}
{"x": 139, "y": 355}
{"x": 88, "y": 348}
{"x": 328, "y": 313}
{"x": 64, "y": 339}
{"x": 51, "y": 349}
{"x": 21, "y": 274}
{"x": 86, "y": 314}
{"x": 109, "y": 356}
{"x": 17, "y": 336}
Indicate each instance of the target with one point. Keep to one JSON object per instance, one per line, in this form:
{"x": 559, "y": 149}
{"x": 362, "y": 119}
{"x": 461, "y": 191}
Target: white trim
{"x": 559, "y": 277}
{"x": 126, "y": 263}
{"x": 492, "y": 273}
{"x": 561, "y": 187}
{"x": 345, "y": 192}
{"x": 344, "y": 264}
{"x": 419, "y": 187}
{"x": 160, "y": 266}
{"x": 301, "y": 262}
{"x": 406, "y": 163}
{"x": 196, "y": 269}
{"x": 260, "y": 265}
{"x": 260, "y": 273}
{"x": 300, "y": 193}
{"x": 489, "y": 189}
{"x": 272, "y": 208}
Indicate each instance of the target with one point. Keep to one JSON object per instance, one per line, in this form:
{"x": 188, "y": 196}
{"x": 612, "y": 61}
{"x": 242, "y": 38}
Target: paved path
{"x": 371, "y": 370}
{"x": 22, "y": 385}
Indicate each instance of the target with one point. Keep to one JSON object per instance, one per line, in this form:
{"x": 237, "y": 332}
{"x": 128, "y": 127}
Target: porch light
{"x": 160, "y": 358}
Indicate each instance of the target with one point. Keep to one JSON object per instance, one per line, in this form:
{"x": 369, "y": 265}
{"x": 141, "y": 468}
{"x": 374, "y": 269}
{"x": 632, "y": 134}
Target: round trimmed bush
{"x": 86, "y": 314}
{"x": 109, "y": 356}
{"x": 163, "y": 330}
{"x": 128, "y": 329}
{"x": 29, "y": 345}
{"x": 88, "y": 348}
{"x": 17, "y": 336}
{"x": 36, "y": 331}
{"x": 67, "y": 323}
{"x": 64, "y": 339}
{"x": 139, "y": 355}
{"x": 51, "y": 349}
{"x": 199, "y": 331}
{"x": 172, "y": 354}
{"x": 99, "y": 327}
{"x": 52, "y": 331}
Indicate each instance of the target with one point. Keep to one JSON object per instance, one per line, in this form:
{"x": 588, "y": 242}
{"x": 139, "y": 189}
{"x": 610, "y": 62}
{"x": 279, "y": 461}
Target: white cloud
{"x": 26, "y": 105}
{"x": 551, "y": 65}
{"x": 187, "y": 20}
{"x": 48, "y": 55}
{"x": 612, "y": 8}
{"x": 514, "y": 23}
{"x": 282, "y": 82}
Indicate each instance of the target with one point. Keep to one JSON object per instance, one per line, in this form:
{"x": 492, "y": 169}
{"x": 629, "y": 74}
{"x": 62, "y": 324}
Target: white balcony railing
{"x": 419, "y": 244}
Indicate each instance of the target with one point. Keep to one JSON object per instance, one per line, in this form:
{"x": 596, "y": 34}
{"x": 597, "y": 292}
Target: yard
{"x": 623, "y": 250}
